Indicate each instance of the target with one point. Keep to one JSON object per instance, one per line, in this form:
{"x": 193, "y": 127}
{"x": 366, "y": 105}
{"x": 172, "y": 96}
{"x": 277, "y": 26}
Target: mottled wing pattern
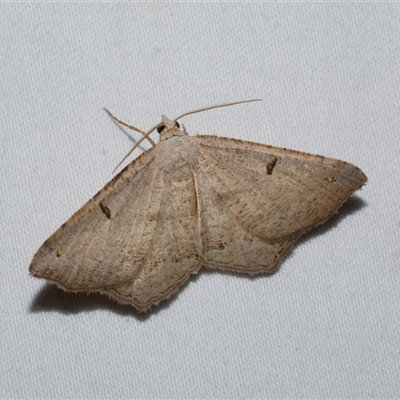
{"x": 172, "y": 255}
{"x": 190, "y": 201}
{"x": 227, "y": 243}
{"x": 257, "y": 199}
{"x": 106, "y": 241}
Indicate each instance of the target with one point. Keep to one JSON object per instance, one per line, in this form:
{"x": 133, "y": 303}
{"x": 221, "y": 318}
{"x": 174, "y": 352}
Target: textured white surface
{"x": 327, "y": 323}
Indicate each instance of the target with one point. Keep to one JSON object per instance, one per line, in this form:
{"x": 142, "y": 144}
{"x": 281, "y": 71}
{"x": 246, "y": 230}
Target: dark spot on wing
{"x": 105, "y": 210}
{"x": 271, "y": 166}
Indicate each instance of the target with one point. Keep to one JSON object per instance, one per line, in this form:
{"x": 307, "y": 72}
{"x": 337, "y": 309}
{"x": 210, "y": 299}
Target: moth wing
{"x": 226, "y": 242}
{"x": 106, "y": 241}
{"x": 274, "y": 194}
{"x": 172, "y": 255}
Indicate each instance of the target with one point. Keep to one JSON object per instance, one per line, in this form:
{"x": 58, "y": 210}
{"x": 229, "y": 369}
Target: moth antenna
{"x": 145, "y": 136}
{"x": 131, "y": 127}
{"x": 198, "y": 110}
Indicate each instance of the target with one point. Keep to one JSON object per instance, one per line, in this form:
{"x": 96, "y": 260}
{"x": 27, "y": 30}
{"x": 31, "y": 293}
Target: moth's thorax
{"x": 170, "y": 129}
{"x": 178, "y": 155}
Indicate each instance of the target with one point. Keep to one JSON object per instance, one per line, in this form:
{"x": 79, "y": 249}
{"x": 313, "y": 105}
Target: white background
{"x": 327, "y": 324}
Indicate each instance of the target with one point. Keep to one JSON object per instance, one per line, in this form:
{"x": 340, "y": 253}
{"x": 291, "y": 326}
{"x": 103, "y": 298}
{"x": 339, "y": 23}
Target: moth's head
{"x": 170, "y": 128}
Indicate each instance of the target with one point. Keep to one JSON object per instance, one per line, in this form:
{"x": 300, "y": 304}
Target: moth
{"x": 188, "y": 202}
